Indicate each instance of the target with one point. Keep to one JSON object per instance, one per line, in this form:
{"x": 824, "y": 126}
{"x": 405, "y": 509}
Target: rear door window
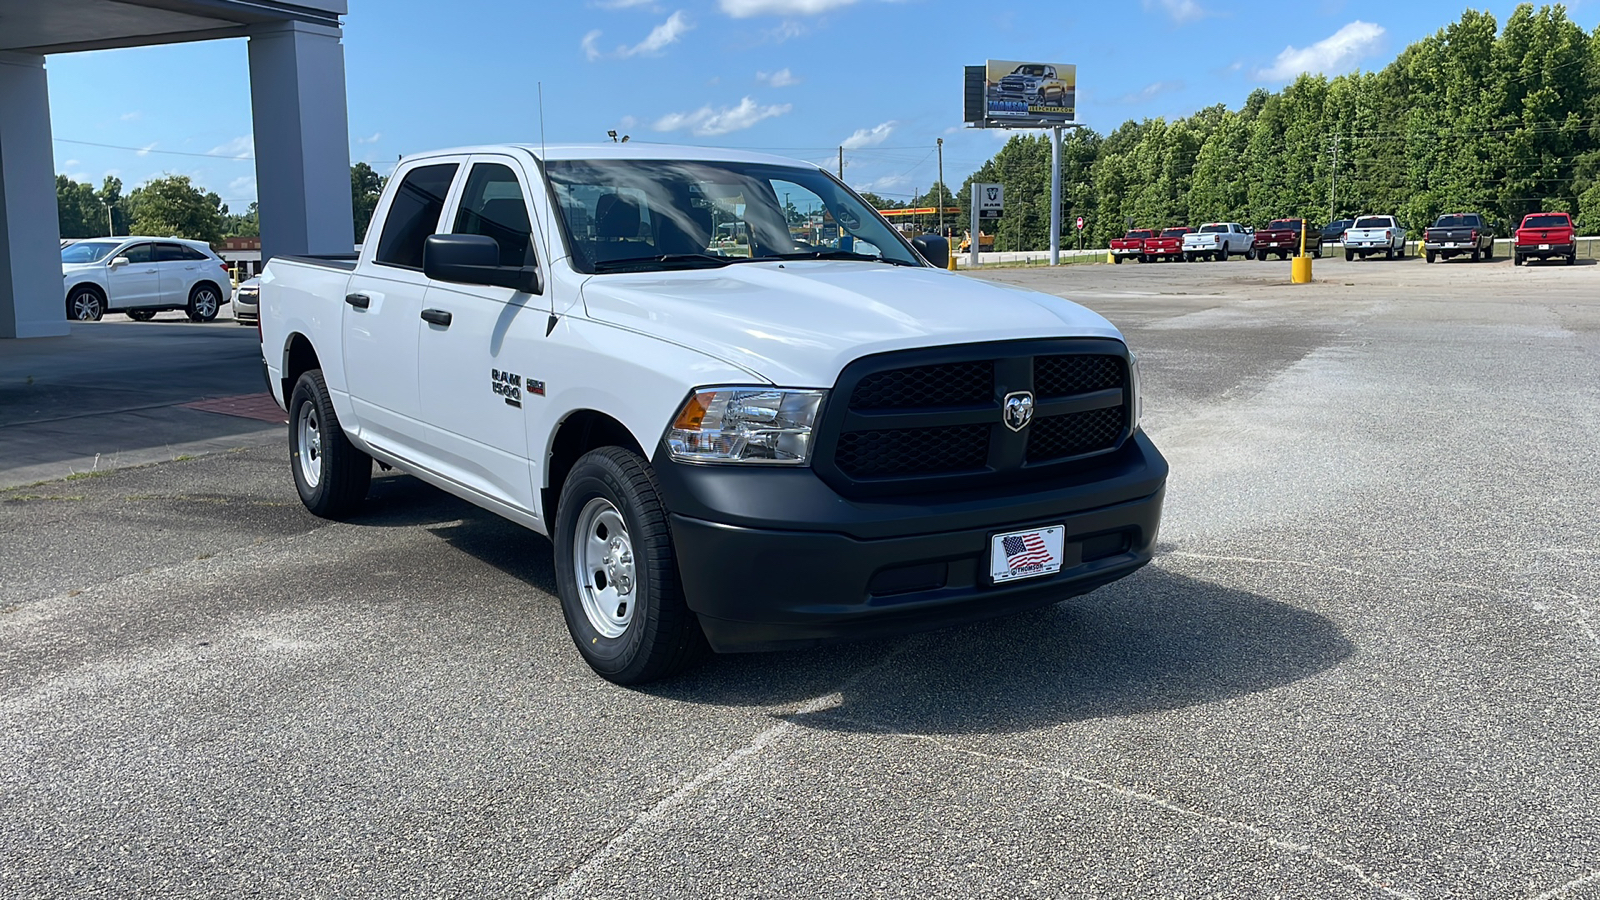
{"x": 414, "y": 215}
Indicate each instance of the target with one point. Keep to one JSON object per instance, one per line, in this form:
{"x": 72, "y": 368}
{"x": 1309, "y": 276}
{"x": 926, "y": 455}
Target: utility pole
{"x": 1333, "y": 180}
{"x": 940, "y": 201}
{"x": 1055, "y": 196}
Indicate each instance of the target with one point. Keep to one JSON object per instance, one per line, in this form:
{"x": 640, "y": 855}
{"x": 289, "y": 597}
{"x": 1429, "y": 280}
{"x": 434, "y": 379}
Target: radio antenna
{"x": 549, "y": 201}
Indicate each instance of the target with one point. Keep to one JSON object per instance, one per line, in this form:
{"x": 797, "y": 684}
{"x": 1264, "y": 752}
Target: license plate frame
{"x": 1044, "y": 556}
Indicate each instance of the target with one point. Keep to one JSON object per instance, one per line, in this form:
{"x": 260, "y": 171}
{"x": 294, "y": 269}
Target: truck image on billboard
{"x": 1032, "y": 92}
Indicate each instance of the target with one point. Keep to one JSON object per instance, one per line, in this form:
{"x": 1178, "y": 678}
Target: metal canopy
{"x": 65, "y": 26}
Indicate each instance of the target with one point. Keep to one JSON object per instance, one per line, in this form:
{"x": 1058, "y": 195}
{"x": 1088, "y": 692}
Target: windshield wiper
{"x": 664, "y": 261}
{"x": 827, "y": 254}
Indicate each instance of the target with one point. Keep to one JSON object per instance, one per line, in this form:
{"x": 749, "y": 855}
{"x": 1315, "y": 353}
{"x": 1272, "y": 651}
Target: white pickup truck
{"x": 1375, "y": 234}
{"x": 1218, "y": 241}
{"x": 806, "y": 435}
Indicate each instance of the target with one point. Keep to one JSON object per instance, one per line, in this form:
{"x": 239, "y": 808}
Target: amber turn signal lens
{"x": 694, "y": 412}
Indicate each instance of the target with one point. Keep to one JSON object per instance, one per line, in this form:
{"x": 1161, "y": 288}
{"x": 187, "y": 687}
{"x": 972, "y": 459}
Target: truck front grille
{"x": 932, "y": 420}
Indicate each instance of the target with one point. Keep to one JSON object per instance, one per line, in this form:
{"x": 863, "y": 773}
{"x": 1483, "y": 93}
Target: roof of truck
{"x": 630, "y": 150}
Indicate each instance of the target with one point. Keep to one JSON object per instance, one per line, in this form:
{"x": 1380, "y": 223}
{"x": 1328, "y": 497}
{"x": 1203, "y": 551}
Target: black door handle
{"x": 436, "y": 317}
{"x": 359, "y": 301}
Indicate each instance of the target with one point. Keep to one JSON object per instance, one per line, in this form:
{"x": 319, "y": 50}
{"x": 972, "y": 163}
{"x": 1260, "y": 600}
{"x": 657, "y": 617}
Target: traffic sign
{"x": 1080, "y": 223}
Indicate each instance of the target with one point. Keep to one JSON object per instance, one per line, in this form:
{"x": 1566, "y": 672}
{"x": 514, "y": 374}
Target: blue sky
{"x": 794, "y": 77}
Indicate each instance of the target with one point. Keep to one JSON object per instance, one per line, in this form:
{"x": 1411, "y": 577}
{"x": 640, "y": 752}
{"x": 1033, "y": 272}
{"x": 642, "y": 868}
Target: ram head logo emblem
{"x": 1018, "y": 410}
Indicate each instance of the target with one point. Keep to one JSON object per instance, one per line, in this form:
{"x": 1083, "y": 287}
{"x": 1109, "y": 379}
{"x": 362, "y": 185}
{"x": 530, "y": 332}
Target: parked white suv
{"x": 809, "y": 436}
{"x": 141, "y": 276}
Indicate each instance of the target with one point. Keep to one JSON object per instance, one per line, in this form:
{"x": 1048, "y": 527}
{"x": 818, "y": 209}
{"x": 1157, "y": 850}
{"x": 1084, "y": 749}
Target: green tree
{"x": 174, "y": 207}
{"x": 246, "y": 225}
{"x": 366, "y": 186}
{"x": 78, "y": 210}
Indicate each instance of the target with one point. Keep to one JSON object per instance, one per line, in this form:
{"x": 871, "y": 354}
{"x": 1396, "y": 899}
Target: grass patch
{"x": 39, "y": 498}
{"x": 94, "y": 473}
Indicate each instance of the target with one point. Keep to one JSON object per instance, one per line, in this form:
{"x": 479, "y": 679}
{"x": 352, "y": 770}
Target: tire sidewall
{"x": 599, "y": 476}
{"x": 305, "y": 391}
{"x": 72, "y": 303}
{"x": 216, "y": 303}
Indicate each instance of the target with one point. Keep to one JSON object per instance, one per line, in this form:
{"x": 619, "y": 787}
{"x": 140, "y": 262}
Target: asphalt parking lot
{"x": 1365, "y": 663}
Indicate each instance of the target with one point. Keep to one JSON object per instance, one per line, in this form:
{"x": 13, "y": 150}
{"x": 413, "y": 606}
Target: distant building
{"x": 243, "y": 256}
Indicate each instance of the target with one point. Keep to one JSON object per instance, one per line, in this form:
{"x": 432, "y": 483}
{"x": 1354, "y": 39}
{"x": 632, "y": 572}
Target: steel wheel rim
{"x": 205, "y": 304}
{"x": 308, "y": 439}
{"x": 603, "y": 564}
{"x": 84, "y": 306}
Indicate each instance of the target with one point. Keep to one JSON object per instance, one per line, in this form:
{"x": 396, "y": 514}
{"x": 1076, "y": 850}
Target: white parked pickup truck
{"x": 809, "y": 434}
{"x": 1375, "y": 234}
{"x": 1218, "y": 241}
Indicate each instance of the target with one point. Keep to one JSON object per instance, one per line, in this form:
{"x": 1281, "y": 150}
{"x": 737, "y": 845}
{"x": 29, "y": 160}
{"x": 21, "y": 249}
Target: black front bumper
{"x": 774, "y": 558}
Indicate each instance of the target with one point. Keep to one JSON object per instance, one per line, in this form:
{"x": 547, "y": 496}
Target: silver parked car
{"x": 246, "y": 301}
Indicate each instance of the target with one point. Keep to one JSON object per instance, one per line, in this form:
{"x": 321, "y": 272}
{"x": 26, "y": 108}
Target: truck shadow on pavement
{"x": 1155, "y": 641}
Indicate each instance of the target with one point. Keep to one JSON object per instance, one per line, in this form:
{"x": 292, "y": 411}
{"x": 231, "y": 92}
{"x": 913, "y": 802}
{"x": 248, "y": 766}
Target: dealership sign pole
{"x": 1013, "y": 94}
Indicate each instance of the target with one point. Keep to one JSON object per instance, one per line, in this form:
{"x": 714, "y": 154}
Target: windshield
{"x": 88, "y": 251}
{"x": 1456, "y": 222}
{"x": 1036, "y": 71}
{"x": 1213, "y": 229}
{"x": 1546, "y": 222}
{"x": 1373, "y": 222}
{"x": 1284, "y": 225}
{"x": 655, "y": 214}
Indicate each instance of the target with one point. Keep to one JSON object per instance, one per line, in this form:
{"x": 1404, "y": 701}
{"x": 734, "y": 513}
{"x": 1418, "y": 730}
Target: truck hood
{"x": 797, "y": 324}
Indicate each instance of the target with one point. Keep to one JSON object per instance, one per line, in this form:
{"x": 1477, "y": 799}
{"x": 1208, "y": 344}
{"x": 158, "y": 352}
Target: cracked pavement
{"x": 1364, "y": 664}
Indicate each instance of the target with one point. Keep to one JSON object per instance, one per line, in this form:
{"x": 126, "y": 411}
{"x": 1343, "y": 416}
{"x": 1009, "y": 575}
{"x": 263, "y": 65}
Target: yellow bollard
{"x": 1300, "y": 270}
{"x": 1110, "y": 257}
{"x": 951, "y": 264}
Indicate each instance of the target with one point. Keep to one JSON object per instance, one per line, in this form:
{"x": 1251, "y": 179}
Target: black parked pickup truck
{"x": 1457, "y": 234}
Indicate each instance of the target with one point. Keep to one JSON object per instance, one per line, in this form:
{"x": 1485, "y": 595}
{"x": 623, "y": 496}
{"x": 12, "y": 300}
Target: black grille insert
{"x": 927, "y": 387}
{"x": 1065, "y": 375}
{"x": 902, "y": 452}
{"x": 1060, "y": 437}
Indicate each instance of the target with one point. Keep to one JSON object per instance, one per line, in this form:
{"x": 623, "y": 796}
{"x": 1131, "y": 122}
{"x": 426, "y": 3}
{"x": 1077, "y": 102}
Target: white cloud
{"x": 376, "y": 137}
{"x": 132, "y": 116}
{"x": 148, "y": 148}
{"x": 789, "y": 29}
{"x": 1335, "y": 53}
{"x": 1150, "y": 92}
{"x": 71, "y": 163}
{"x": 744, "y": 9}
{"x": 81, "y": 177}
{"x": 1180, "y": 11}
{"x": 659, "y": 38}
{"x": 112, "y": 173}
{"x": 242, "y": 188}
{"x": 780, "y": 78}
{"x": 239, "y": 148}
{"x": 622, "y": 4}
{"x": 707, "y": 122}
{"x": 868, "y": 137}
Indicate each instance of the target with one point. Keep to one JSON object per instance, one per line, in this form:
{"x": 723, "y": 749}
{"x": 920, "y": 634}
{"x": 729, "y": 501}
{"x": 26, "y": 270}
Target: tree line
{"x": 1474, "y": 118}
{"x": 174, "y": 206}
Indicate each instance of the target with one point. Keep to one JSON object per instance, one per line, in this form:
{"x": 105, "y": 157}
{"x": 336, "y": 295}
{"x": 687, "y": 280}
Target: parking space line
{"x": 1575, "y": 883}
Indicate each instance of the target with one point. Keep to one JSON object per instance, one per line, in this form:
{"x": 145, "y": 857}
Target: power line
{"x": 144, "y": 150}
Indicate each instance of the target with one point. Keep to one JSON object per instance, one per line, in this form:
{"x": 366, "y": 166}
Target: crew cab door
{"x": 479, "y": 356}
{"x": 382, "y": 309}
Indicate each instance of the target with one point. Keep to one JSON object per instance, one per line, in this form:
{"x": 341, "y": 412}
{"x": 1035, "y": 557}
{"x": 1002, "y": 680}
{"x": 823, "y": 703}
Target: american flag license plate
{"x": 1026, "y": 554}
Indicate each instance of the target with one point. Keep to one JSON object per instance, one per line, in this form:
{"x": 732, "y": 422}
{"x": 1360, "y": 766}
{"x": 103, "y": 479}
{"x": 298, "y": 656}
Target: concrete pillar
{"x": 31, "y": 300}
{"x": 302, "y": 133}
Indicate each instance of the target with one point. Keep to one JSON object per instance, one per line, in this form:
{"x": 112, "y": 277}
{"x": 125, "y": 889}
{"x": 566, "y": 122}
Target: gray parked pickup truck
{"x": 1457, "y": 234}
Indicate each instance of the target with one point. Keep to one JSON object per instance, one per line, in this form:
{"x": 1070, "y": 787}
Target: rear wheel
{"x": 331, "y": 475}
{"x": 1572, "y": 258}
{"x": 85, "y": 305}
{"x": 1488, "y": 252}
{"x": 204, "y": 303}
{"x": 617, "y": 571}
{"x": 1349, "y": 256}
{"x": 1516, "y": 259}
{"x": 1428, "y": 256}
{"x": 1115, "y": 258}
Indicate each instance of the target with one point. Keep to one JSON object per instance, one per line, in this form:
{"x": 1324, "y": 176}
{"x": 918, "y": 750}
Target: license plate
{"x": 1026, "y": 554}
{"x": 1544, "y": 246}
{"x": 1451, "y": 244}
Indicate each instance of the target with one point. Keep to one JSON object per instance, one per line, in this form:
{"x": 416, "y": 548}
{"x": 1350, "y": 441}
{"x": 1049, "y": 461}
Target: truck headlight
{"x": 769, "y": 426}
{"x": 1138, "y": 400}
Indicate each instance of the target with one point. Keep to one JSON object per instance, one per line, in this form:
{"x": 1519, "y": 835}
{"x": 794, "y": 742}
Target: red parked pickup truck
{"x": 1130, "y": 245}
{"x": 1282, "y": 236}
{"x": 1544, "y": 235}
{"x": 1167, "y": 245}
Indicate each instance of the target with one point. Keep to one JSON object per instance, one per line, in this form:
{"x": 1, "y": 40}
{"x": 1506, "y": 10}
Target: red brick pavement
{"x": 246, "y": 406}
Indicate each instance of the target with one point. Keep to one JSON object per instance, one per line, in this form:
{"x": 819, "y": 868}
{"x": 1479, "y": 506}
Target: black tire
{"x": 1572, "y": 259}
{"x": 140, "y": 315}
{"x": 1428, "y": 256}
{"x": 343, "y": 473}
{"x": 1116, "y": 259}
{"x": 661, "y": 636}
{"x": 1488, "y": 252}
{"x": 1516, "y": 259}
{"x": 1349, "y": 256}
{"x": 1477, "y": 255}
{"x": 86, "y": 304}
{"x": 205, "y": 301}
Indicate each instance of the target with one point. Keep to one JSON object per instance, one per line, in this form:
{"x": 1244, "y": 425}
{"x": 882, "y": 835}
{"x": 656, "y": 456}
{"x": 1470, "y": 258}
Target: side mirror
{"x": 933, "y": 248}
{"x": 475, "y": 259}
{"x": 118, "y": 262}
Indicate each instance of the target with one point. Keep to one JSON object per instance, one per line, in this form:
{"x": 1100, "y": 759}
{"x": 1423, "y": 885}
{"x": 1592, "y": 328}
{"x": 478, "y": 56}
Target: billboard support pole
{"x": 973, "y": 259}
{"x": 1055, "y": 196}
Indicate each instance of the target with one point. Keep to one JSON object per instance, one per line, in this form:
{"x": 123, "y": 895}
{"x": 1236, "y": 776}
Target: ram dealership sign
{"x": 1006, "y": 93}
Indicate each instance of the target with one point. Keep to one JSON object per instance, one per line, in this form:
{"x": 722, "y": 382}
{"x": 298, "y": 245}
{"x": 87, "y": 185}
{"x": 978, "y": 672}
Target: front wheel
{"x": 331, "y": 475}
{"x": 618, "y": 574}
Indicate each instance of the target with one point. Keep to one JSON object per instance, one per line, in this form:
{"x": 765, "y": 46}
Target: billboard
{"x": 1021, "y": 94}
